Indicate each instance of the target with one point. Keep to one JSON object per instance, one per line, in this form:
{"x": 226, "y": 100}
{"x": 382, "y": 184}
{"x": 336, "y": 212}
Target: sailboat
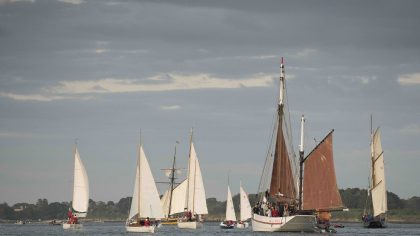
{"x": 195, "y": 204}
{"x": 244, "y": 209}
{"x": 375, "y": 212}
{"x": 80, "y": 201}
{"x": 230, "y": 217}
{"x": 172, "y": 196}
{"x": 145, "y": 203}
{"x": 320, "y": 192}
{"x": 278, "y": 183}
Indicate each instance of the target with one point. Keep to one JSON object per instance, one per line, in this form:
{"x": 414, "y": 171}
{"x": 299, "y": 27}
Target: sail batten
{"x": 320, "y": 189}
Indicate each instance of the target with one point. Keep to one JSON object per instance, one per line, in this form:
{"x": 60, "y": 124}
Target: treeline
{"x": 353, "y": 198}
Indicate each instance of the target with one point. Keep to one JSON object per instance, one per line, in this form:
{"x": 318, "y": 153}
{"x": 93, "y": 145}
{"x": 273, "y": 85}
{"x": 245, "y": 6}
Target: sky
{"x": 102, "y": 72}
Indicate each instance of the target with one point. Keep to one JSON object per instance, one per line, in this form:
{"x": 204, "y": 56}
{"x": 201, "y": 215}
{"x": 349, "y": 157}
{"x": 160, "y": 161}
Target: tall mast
{"x": 189, "y": 170}
{"x": 138, "y": 169}
{"x": 282, "y": 85}
{"x": 371, "y": 153}
{"x": 172, "y": 181}
{"x": 301, "y": 160}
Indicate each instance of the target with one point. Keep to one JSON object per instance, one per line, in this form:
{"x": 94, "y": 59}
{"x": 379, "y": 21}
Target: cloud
{"x": 412, "y": 129}
{"x": 170, "y": 107}
{"x": 305, "y": 53}
{"x": 74, "y": 2}
{"x": 13, "y": 1}
{"x": 409, "y": 79}
{"x": 7, "y": 134}
{"x": 158, "y": 83}
{"x": 39, "y": 97}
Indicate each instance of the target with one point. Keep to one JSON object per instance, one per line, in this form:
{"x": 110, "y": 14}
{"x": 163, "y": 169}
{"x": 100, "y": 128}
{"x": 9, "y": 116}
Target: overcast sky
{"x": 100, "y": 71}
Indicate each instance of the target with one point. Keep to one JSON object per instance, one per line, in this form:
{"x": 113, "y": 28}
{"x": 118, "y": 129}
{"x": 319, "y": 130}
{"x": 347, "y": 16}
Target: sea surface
{"x": 208, "y": 229}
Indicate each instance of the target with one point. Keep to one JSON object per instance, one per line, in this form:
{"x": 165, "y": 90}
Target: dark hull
{"x": 375, "y": 223}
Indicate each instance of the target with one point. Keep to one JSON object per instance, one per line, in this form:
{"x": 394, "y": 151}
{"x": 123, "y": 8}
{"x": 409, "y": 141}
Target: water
{"x": 208, "y": 229}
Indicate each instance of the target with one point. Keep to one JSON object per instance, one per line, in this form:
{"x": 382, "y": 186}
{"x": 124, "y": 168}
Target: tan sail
{"x": 282, "y": 184}
{"x": 379, "y": 197}
{"x": 320, "y": 190}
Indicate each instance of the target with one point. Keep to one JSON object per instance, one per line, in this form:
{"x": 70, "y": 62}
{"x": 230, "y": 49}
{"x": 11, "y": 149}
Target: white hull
{"x": 189, "y": 225}
{"x": 140, "y": 229}
{"x": 242, "y": 225}
{"x": 72, "y": 226}
{"x": 296, "y": 223}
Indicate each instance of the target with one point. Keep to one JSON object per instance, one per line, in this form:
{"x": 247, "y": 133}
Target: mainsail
{"x": 378, "y": 190}
{"x": 320, "y": 191}
{"x": 279, "y": 174}
{"x": 230, "y": 210}
{"x": 145, "y": 201}
{"x": 195, "y": 194}
{"x": 245, "y": 207}
{"x": 80, "y": 187}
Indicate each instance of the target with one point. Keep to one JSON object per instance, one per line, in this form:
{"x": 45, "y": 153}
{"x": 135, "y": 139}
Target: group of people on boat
{"x": 269, "y": 209}
{"x": 187, "y": 215}
{"x": 72, "y": 218}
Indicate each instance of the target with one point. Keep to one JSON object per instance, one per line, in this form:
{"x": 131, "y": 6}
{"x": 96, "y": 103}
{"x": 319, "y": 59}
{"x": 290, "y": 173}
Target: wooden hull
{"x": 72, "y": 226}
{"x": 189, "y": 224}
{"x": 296, "y": 223}
{"x": 242, "y": 225}
{"x": 140, "y": 229}
{"x": 169, "y": 221}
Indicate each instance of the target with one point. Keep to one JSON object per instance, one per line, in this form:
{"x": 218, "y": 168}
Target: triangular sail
{"x": 282, "y": 185}
{"x": 320, "y": 191}
{"x": 145, "y": 195}
{"x": 196, "y": 196}
{"x": 379, "y": 198}
{"x": 178, "y": 199}
{"x": 230, "y": 210}
{"x": 245, "y": 206}
{"x": 80, "y": 187}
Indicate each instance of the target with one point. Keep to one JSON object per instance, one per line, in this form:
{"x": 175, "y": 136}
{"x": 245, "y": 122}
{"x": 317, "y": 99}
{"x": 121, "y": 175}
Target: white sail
{"x": 196, "y": 196}
{"x": 80, "y": 187}
{"x": 245, "y": 206}
{"x": 178, "y": 199}
{"x": 379, "y": 198}
{"x": 134, "y": 209}
{"x": 145, "y": 196}
{"x": 230, "y": 210}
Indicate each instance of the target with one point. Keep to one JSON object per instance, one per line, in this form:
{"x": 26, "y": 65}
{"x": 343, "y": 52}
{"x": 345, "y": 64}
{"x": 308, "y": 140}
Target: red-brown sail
{"x": 320, "y": 190}
{"x": 282, "y": 182}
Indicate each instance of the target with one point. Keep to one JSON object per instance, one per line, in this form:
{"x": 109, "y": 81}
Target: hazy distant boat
{"x": 145, "y": 204}
{"x": 80, "y": 201}
{"x": 245, "y": 209}
{"x": 195, "y": 196}
{"x": 279, "y": 179}
{"x": 375, "y": 213}
{"x": 230, "y": 217}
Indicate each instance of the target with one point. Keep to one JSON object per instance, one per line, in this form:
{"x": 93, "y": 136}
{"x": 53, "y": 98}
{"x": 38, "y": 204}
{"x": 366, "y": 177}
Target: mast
{"x": 301, "y": 160}
{"x": 172, "y": 182}
{"x": 281, "y": 102}
{"x": 189, "y": 170}
{"x": 138, "y": 169}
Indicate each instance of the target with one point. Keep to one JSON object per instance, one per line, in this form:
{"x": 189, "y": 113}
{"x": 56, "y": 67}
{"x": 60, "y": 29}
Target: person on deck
{"x": 147, "y": 222}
